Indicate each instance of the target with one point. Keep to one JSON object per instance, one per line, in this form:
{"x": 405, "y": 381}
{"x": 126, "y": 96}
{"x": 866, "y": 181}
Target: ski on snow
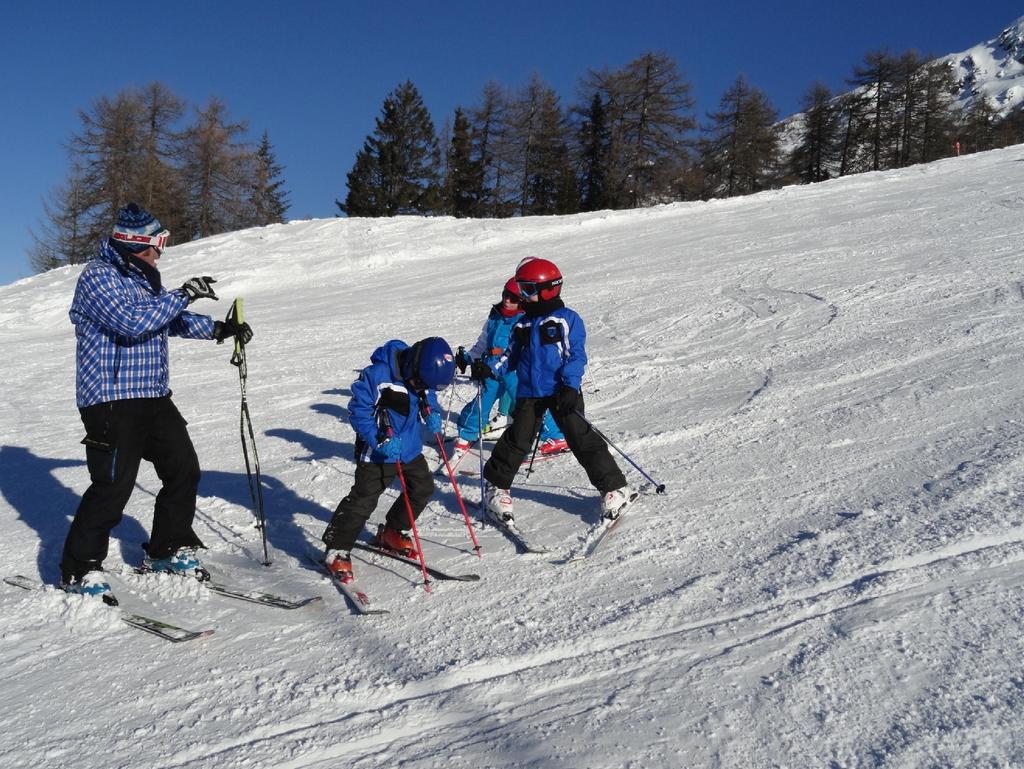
{"x": 431, "y": 570}
{"x": 518, "y": 537}
{"x": 241, "y": 594}
{"x": 164, "y": 630}
{"x": 601, "y": 532}
{"x": 357, "y": 596}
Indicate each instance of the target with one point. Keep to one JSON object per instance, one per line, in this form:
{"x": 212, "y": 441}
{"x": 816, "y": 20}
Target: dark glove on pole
{"x": 229, "y": 327}
{"x": 480, "y": 371}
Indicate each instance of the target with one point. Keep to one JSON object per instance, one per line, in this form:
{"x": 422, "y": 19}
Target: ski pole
{"x": 408, "y": 505}
{"x": 245, "y": 421}
{"x": 536, "y": 443}
{"x": 659, "y": 487}
{"x": 480, "y": 439}
{"x": 412, "y": 522}
{"x": 451, "y": 475}
{"x": 458, "y": 494}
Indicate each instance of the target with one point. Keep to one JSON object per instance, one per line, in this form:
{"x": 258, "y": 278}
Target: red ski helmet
{"x": 511, "y": 291}
{"x": 538, "y": 277}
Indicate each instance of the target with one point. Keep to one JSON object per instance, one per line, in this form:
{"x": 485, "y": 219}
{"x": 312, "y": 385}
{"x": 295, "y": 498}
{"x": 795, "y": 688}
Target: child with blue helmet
{"x": 391, "y": 399}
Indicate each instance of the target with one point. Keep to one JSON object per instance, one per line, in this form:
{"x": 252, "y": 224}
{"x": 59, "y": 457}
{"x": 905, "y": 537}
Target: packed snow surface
{"x": 827, "y": 378}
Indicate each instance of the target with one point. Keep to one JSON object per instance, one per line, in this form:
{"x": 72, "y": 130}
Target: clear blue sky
{"x": 314, "y": 73}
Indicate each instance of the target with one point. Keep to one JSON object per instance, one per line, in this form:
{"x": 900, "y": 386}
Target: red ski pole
{"x": 458, "y": 494}
{"x": 412, "y": 521}
{"x": 408, "y": 506}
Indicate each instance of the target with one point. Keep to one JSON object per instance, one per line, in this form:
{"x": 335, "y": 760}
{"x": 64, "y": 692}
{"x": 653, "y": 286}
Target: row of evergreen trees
{"x": 633, "y": 140}
{"x": 200, "y": 179}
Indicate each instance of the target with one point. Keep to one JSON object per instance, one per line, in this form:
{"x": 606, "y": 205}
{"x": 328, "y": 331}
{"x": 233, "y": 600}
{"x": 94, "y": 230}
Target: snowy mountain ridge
{"x": 993, "y": 69}
{"x": 826, "y": 377}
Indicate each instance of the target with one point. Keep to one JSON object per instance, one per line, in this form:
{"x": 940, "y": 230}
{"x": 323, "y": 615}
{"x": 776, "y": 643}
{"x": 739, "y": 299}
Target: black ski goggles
{"x": 530, "y": 288}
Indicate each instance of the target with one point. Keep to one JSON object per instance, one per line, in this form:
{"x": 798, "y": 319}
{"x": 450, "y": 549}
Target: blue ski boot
{"x": 92, "y": 583}
{"x": 183, "y": 562}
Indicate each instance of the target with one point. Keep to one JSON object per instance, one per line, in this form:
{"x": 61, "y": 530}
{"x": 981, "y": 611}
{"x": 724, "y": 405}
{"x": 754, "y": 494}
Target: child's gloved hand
{"x": 391, "y": 448}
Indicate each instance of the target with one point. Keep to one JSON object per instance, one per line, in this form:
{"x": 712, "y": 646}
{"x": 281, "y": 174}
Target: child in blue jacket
{"x": 390, "y": 400}
{"x": 549, "y": 356}
{"x": 492, "y": 344}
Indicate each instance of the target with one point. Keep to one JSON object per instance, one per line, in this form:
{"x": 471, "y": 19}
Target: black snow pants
{"x": 587, "y": 446}
{"x": 118, "y": 436}
{"x": 370, "y": 481}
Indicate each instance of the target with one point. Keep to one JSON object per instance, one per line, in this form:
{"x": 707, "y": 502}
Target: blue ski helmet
{"x": 428, "y": 363}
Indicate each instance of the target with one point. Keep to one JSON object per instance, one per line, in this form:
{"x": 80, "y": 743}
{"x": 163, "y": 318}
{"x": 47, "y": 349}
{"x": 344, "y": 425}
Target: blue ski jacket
{"x": 548, "y": 349}
{"x": 380, "y": 397}
{"x": 496, "y": 335}
{"x": 121, "y": 328}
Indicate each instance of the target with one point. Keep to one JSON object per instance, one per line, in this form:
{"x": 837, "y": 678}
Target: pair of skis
{"x": 593, "y": 541}
{"x": 174, "y": 633}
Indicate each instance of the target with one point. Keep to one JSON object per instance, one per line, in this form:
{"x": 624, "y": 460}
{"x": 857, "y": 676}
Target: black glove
{"x": 566, "y": 400}
{"x": 199, "y": 288}
{"x": 462, "y": 360}
{"x": 480, "y": 371}
{"x": 229, "y": 327}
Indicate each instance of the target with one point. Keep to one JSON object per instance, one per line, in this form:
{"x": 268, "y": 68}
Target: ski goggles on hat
{"x": 530, "y": 288}
{"x": 157, "y": 241}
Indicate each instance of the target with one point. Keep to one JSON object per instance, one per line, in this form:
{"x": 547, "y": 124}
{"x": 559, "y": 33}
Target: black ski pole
{"x": 536, "y": 443}
{"x": 252, "y": 472}
{"x": 659, "y": 487}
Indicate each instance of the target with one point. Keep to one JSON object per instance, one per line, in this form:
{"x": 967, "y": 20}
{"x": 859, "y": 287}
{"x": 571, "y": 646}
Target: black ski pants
{"x": 587, "y": 446}
{"x": 370, "y": 481}
{"x": 118, "y": 436}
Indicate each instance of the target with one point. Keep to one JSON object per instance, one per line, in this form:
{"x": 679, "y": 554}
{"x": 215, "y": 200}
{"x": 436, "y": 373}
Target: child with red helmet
{"x": 492, "y": 343}
{"x": 548, "y": 353}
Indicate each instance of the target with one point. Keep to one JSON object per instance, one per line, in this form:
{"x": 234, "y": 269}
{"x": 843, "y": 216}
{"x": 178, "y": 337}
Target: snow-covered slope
{"x": 828, "y": 379}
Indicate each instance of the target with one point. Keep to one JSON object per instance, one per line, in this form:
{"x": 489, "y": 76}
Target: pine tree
{"x": 465, "y": 177}
{"x": 876, "y": 77}
{"x": 268, "y": 198}
{"x": 492, "y": 149}
{"x": 649, "y": 105}
{"x": 979, "y": 126}
{"x": 538, "y": 136}
{"x": 65, "y": 235}
{"x": 215, "y": 172}
{"x": 815, "y": 155}
{"x": 396, "y": 172}
{"x": 595, "y": 145}
{"x": 938, "y": 117}
{"x": 741, "y": 150}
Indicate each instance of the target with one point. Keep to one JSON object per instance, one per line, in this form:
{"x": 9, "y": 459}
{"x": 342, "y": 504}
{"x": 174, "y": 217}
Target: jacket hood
{"x": 387, "y": 354}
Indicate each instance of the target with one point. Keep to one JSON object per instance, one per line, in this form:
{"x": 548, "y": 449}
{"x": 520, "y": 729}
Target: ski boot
{"x": 92, "y": 583}
{"x": 396, "y": 541}
{"x": 553, "y": 446}
{"x": 498, "y": 504}
{"x": 459, "y": 451}
{"x": 339, "y": 564}
{"x": 183, "y": 562}
{"x": 615, "y": 502}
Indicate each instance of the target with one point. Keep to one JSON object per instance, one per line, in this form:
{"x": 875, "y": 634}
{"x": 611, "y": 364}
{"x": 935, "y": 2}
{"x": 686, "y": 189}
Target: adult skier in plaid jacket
{"x": 123, "y": 316}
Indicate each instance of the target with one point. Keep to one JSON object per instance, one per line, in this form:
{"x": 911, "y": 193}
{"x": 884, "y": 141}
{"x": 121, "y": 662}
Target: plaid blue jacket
{"x": 122, "y": 327}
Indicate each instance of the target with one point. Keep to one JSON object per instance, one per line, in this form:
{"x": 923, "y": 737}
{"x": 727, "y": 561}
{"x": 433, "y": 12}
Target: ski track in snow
{"x": 827, "y": 379}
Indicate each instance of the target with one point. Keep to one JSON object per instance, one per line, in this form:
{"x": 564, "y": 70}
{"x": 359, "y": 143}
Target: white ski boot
{"x": 615, "y": 502}
{"x": 498, "y": 504}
